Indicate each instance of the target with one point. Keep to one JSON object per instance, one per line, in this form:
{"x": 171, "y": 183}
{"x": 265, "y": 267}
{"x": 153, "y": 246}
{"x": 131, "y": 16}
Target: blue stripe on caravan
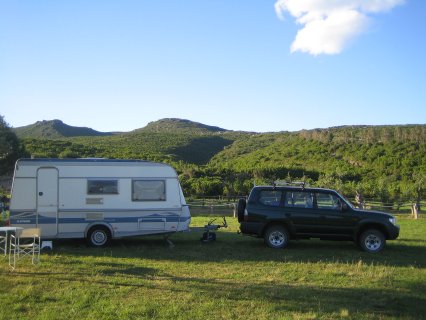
{"x": 121, "y": 219}
{"x": 30, "y": 218}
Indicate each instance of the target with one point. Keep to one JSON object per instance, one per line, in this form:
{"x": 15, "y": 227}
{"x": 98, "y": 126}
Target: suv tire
{"x": 276, "y": 237}
{"x": 372, "y": 241}
{"x": 241, "y": 207}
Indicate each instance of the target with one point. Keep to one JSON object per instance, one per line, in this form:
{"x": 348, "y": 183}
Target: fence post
{"x": 415, "y": 210}
{"x": 235, "y": 209}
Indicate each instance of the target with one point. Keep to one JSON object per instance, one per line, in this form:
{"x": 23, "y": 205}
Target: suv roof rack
{"x": 291, "y": 183}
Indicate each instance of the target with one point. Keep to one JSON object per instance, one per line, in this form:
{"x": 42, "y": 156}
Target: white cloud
{"x": 329, "y": 25}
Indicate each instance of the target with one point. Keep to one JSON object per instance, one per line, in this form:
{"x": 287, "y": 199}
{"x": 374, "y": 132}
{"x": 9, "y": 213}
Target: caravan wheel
{"x": 98, "y": 236}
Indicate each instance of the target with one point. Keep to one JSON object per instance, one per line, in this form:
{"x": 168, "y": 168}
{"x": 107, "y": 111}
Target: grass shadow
{"x": 233, "y": 247}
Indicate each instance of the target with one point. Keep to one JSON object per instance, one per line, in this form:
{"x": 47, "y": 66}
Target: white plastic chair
{"x": 25, "y": 242}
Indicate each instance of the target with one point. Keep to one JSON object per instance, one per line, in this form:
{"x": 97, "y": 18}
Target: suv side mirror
{"x": 344, "y": 207}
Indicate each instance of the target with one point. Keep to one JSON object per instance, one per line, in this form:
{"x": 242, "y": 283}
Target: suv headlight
{"x": 393, "y": 221}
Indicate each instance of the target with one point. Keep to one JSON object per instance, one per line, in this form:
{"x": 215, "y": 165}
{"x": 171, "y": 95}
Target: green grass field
{"x": 235, "y": 277}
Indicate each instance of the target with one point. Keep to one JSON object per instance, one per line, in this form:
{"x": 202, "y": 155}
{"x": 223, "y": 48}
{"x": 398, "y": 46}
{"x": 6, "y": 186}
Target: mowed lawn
{"x": 235, "y": 277}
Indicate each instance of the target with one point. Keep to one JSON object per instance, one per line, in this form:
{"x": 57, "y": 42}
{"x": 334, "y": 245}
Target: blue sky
{"x": 242, "y": 65}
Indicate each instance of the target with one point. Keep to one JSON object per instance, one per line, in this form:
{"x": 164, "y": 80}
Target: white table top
{"x": 10, "y": 228}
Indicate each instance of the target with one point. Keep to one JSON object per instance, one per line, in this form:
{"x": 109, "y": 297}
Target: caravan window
{"x": 102, "y": 187}
{"x": 149, "y": 190}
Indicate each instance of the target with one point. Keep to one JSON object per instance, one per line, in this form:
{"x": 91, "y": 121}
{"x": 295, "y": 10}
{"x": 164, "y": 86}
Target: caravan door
{"x": 47, "y": 201}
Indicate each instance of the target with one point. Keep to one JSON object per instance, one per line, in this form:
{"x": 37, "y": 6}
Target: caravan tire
{"x": 98, "y": 236}
{"x": 241, "y": 207}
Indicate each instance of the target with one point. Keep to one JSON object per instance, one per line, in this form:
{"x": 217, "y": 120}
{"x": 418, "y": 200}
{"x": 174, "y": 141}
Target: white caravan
{"x": 97, "y": 199}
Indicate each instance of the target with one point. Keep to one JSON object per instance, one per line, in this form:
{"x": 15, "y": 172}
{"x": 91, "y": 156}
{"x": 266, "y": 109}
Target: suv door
{"x": 299, "y": 209}
{"x": 319, "y": 214}
{"x": 334, "y": 222}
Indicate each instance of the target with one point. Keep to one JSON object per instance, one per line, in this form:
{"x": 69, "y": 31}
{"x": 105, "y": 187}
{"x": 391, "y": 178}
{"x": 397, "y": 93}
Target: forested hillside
{"x": 151, "y": 146}
{"x": 388, "y": 163}
{"x": 383, "y": 162}
{"x": 171, "y": 140}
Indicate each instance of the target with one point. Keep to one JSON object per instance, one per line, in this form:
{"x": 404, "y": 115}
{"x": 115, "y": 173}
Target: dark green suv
{"x": 281, "y": 213}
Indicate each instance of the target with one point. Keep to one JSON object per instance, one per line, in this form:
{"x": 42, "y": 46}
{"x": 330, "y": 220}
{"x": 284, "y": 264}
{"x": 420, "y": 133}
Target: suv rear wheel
{"x": 372, "y": 241}
{"x": 276, "y": 237}
{"x": 241, "y": 208}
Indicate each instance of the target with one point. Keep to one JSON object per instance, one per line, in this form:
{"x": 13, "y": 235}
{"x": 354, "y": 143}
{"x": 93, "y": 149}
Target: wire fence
{"x": 227, "y": 205}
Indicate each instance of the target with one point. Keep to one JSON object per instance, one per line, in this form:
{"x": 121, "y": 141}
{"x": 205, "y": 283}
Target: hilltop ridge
{"x": 179, "y": 125}
{"x": 54, "y": 129}
{"x": 57, "y": 129}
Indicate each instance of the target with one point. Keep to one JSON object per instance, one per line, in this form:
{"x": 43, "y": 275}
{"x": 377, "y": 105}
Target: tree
{"x": 10, "y": 148}
{"x": 419, "y": 182}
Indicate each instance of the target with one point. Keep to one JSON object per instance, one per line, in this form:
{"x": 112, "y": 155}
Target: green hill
{"x": 385, "y": 162}
{"x": 164, "y": 140}
{"x": 55, "y": 129}
{"x": 382, "y": 161}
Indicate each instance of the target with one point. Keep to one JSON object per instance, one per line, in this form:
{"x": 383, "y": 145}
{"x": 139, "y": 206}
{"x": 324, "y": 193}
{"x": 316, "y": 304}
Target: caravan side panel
{"x": 78, "y": 209}
{"x": 23, "y": 203}
{"x": 24, "y": 194}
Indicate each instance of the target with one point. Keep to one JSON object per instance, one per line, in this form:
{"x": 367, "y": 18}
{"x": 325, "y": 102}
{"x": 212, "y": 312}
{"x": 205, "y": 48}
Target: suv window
{"x": 328, "y": 201}
{"x": 299, "y": 199}
{"x": 271, "y": 198}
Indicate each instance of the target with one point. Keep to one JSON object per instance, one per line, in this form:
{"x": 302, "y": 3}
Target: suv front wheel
{"x": 276, "y": 237}
{"x": 372, "y": 241}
